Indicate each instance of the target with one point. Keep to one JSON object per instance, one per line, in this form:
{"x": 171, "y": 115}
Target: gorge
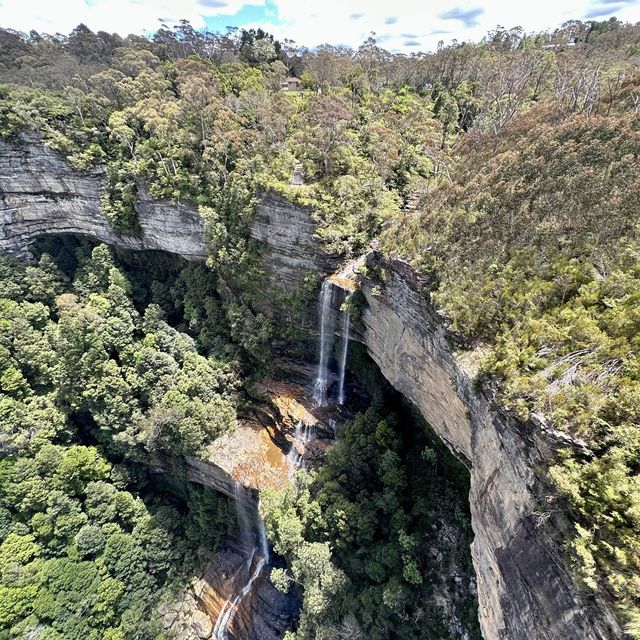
{"x": 525, "y": 588}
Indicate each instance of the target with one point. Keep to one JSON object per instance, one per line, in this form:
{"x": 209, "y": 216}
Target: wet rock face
{"x": 40, "y": 194}
{"x": 255, "y": 453}
{"x": 265, "y": 614}
{"x": 268, "y": 613}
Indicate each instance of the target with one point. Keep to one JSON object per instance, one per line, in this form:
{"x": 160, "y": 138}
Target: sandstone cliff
{"x": 40, "y": 194}
{"x": 525, "y": 588}
{"x": 291, "y": 251}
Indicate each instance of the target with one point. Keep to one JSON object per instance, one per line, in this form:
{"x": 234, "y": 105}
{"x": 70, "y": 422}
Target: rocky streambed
{"x": 257, "y": 455}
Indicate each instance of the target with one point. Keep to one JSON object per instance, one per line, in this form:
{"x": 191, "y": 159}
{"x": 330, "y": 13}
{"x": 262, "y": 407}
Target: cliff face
{"x": 525, "y": 589}
{"x": 286, "y": 232}
{"x": 292, "y": 261}
{"x": 40, "y": 194}
{"x": 406, "y": 340}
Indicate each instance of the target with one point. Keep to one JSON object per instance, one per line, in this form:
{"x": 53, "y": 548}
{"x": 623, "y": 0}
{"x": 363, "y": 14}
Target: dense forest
{"x": 96, "y": 383}
{"x": 506, "y": 169}
{"x": 379, "y": 535}
{"x": 90, "y": 387}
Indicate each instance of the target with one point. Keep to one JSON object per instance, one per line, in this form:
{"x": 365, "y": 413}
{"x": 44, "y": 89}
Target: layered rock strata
{"x": 525, "y": 588}
{"x": 40, "y": 194}
{"x": 291, "y": 250}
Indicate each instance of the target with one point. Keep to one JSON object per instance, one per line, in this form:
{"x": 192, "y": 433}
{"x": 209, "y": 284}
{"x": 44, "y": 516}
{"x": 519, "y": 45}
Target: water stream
{"x": 327, "y": 325}
{"x": 346, "y": 318}
{"x": 327, "y": 320}
{"x": 259, "y": 548}
{"x": 252, "y": 534}
{"x": 304, "y": 434}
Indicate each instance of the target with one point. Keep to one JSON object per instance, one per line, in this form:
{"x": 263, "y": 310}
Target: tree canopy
{"x": 507, "y": 169}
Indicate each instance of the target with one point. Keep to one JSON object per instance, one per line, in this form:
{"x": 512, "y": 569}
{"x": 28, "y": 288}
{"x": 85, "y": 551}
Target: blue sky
{"x": 399, "y": 25}
{"x": 266, "y": 14}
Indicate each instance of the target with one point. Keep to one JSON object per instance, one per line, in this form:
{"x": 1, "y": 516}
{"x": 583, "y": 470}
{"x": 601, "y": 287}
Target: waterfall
{"x": 244, "y": 518}
{"x": 302, "y": 436}
{"x": 258, "y": 548}
{"x": 346, "y": 317}
{"x": 262, "y": 539}
{"x": 294, "y": 457}
{"x": 327, "y": 322}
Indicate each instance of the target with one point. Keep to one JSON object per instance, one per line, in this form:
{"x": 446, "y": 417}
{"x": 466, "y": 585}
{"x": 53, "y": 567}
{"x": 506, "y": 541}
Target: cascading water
{"x": 304, "y": 434}
{"x": 244, "y": 517}
{"x": 327, "y": 322}
{"x": 327, "y": 331}
{"x": 258, "y": 548}
{"x": 346, "y": 317}
{"x": 294, "y": 457}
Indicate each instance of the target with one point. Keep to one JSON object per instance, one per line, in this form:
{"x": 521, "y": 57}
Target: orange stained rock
{"x": 250, "y": 456}
{"x": 343, "y": 281}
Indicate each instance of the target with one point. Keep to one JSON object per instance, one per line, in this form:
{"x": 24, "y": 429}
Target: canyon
{"x": 525, "y": 587}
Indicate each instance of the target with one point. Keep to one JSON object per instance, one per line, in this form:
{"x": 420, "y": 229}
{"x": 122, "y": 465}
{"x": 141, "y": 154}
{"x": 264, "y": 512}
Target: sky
{"x": 399, "y": 25}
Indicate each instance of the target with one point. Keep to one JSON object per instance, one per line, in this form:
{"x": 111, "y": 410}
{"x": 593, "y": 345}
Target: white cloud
{"x": 328, "y": 21}
{"x": 119, "y": 16}
{"x": 316, "y": 22}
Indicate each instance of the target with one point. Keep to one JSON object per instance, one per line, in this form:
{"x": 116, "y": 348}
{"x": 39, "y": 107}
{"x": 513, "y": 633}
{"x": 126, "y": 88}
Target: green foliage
{"x": 536, "y": 259}
{"x": 139, "y": 381}
{"x": 361, "y": 159}
{"x": 357, "y": 534}
{"x": 90, "y": 540}
{"x": 84, "y": 552}
{"x": 507, "y": 169}
{"x": 118, "y": 200}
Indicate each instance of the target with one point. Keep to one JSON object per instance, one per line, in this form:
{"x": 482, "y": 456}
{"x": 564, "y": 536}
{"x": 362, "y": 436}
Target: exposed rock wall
{"x": 292, "y": 252}
{"x": 264, "y": 614}
{"x": 406, "y": 340}
{"x": 40, "y": 194}
{"x": 525, "y": 589}
{"x": 292, "y": 259}
{"x": 204, "y": 472}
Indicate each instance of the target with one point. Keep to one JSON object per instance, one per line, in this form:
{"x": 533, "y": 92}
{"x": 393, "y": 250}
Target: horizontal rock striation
{"x": 40, "y": 194}
{"x": 525, "y": 588}
{"x": 204, "y": 472}
{"x": 287, "y": 233}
